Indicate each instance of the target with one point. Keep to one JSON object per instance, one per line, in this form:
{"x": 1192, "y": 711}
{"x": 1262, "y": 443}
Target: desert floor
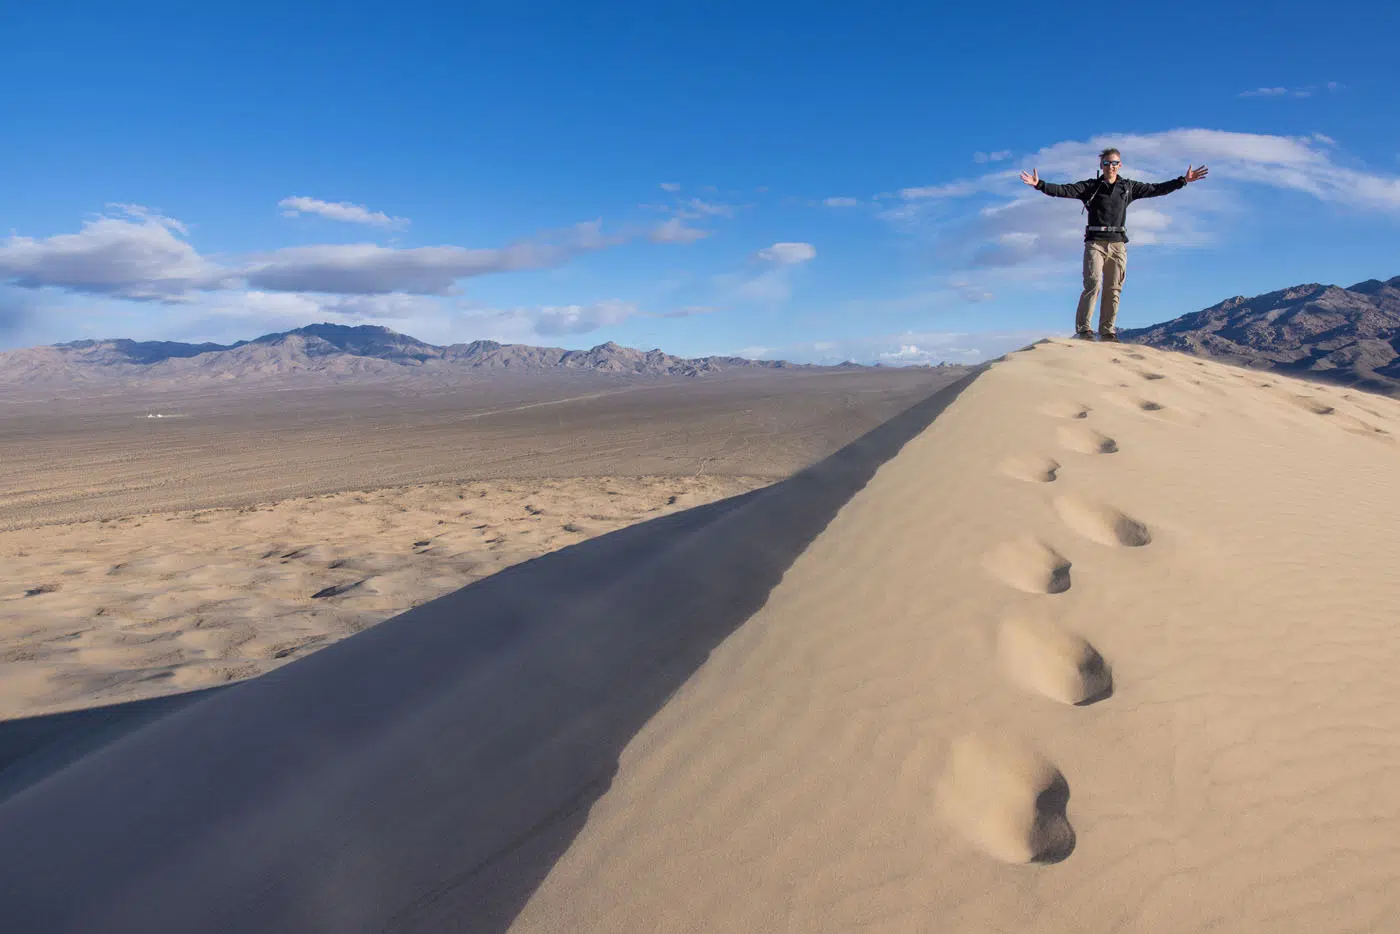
{"x": 142, "y": 556}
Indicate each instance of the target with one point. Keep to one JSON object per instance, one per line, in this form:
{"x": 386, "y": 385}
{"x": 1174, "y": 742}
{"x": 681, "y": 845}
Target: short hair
{"x": 1109, "y": 152}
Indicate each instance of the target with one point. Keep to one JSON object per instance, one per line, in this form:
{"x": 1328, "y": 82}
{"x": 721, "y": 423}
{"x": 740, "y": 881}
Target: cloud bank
{"x": 138, "y": 254}
{"x": 993, "y": 221}
{"x": 134, "y": 253}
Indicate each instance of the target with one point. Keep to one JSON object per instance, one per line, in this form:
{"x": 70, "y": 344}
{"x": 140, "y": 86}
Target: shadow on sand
{"x": 36, "y": 747}
{"x": 423, "y": 775}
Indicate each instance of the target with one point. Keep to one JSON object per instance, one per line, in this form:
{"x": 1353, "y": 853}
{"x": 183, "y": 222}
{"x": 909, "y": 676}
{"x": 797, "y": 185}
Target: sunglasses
{"x": 1106, "y": 163}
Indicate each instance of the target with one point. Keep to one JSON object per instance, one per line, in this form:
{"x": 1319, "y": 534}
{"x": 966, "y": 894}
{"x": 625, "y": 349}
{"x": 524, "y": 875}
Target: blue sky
{"x": 810, "y": 181}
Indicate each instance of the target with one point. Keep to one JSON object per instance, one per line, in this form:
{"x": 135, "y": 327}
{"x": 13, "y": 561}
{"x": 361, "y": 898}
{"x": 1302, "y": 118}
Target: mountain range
{"x": 334, "y": 351}
{"x": 1316, "y": 331}
{"x": 1349, "y": 335}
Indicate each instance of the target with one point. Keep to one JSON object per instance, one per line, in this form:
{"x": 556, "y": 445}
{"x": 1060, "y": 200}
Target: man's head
{"x": 1110, "y": 160}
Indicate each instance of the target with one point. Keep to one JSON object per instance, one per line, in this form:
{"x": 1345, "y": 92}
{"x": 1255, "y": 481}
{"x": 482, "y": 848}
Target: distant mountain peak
{"x": 1349, "y": 335}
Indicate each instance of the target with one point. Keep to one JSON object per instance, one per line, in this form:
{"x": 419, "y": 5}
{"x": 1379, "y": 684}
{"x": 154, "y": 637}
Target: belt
{"x": 1106, "y": 229}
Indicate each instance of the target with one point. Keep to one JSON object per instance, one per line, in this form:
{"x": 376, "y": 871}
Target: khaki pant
{"x": 1105, "y": 267}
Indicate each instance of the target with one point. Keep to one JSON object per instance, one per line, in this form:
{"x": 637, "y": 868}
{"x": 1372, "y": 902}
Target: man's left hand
{"x": 1194, "y": 175}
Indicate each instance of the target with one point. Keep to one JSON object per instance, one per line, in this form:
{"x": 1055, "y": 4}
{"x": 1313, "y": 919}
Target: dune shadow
{"x": 425, "y": 774}
{"x": 33, "y": 748}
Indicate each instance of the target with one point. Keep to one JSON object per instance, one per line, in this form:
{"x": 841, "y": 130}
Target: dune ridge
{"x": 1109, "y": 647}
{"x": 422, "y": 775}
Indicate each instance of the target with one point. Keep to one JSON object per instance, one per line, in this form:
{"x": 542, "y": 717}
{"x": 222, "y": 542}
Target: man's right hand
{"x": 1031, "y": 178}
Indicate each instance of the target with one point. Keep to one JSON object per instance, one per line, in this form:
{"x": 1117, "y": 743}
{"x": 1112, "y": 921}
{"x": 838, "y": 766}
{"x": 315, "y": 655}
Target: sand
{"x": 1102, "y": 639}
{"x": 1110, "y": 647}
{"x": 103, "y": 457}
{"x": 248, "y": 526}
{"x": 142, "y": 606}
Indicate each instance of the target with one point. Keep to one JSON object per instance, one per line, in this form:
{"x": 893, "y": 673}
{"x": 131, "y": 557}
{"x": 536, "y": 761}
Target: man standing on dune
{"x": 1106, "y": 198}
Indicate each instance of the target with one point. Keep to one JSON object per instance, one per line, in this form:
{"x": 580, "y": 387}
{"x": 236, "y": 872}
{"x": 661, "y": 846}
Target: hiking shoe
{"x": 1111, "y": 338}
{"x": 1084, "y": 335}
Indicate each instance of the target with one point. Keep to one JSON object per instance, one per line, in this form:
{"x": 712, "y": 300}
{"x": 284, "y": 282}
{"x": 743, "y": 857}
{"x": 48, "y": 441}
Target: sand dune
{"x": 1118, "y": 613}
{"x": 421, "y": 775}
{"x": 1108, "y": 645}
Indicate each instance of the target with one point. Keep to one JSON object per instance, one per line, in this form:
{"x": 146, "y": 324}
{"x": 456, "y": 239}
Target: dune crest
{"x": 1210, "y": 609}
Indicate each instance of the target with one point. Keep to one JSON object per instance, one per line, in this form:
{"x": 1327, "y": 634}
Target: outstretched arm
{"x": 1157, "y": 189}
{"x": 1073, "y": 190}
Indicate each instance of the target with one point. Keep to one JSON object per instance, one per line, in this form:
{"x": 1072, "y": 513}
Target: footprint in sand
{"x": 1030, "y": 565}
{"x": 336, "y": 590}
{"x": 1149, "y": 375}
{"x": 1357, "y": 402}
{"x": 1086, "y": 440}
{"x": 1310, "y": 404}
{"x": 1007, "y": 800}
{"x": 1348, "y": 423}
{"x": 1102, "y": 523}
{"x": 1062, "y": 409}
{"x": 1032, "y": 469}
{"x": 1045, "y": 658}
{"x": 1139, "y": 403}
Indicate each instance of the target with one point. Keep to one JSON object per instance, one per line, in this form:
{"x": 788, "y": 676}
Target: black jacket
{"x": 1108, "y": 204}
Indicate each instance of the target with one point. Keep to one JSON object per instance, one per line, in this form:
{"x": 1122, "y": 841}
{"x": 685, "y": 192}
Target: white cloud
{"x": 772, "y": 283}
{"x": 909, "y": 353}
{"x": 532, "y": 324}
{"x": 696, "y": 207}
{"x": 549, "y": 320}
{"x": 299, "y": 308}
{"x": 675, "y": 231}
{"x": 841, "y": 202}
{"x": 689, "y": 311}
{"x": 1300, "y": 163}
{"x": 338, "y": 211}
{"x": 1306, "y": 91}
{"x": 956, "y": 189}
{"x": 370, "y": 269}
{"x": 683, "y": 209}
{"x": 993, "y": 221}
{"x": 394, "y": 307}
{"x": 367, "y": 268}
{"x": 1286, "y": 162}
{"x": 787, "y": 254}
{"x": 138, "y": 254}
{"x": 998, "y": 156}
{"x": 1018, "y": 239}
{"x": 589, "y": 236}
